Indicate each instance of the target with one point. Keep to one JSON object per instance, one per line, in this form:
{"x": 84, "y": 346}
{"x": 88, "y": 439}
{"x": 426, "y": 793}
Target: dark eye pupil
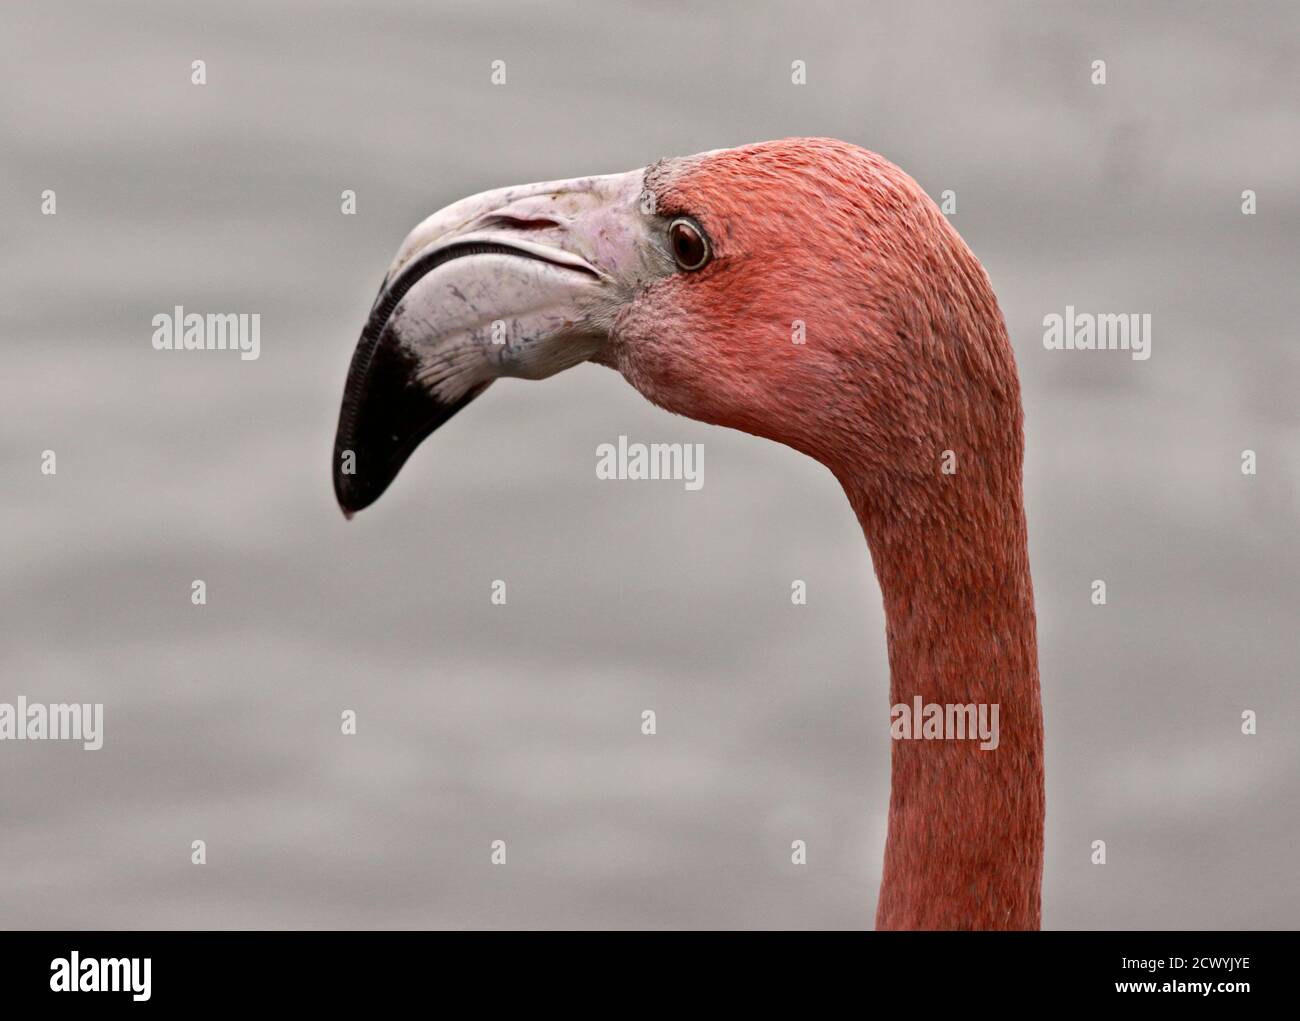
{"x": 689, "y": 247}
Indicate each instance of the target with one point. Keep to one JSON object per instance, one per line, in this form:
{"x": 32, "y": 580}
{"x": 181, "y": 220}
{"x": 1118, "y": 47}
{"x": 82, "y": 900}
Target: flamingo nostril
{"x": 520, "y": 223}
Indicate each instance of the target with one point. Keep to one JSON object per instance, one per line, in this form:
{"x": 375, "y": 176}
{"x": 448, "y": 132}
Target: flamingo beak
{"x": 522, "y": 281}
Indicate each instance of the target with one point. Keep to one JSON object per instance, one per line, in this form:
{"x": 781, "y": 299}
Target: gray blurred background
{"x": 521, "y": 723}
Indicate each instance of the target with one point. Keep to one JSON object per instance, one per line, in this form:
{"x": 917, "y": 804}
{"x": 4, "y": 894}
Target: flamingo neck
{"x": 965, "y": 844}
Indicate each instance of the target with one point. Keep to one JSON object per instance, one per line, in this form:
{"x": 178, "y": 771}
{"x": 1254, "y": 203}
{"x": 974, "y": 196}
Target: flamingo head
{"x": 804, "y": 290}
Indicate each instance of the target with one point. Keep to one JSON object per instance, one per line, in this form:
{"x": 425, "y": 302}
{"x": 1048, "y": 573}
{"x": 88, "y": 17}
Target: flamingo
{"x": 692, "y": 278}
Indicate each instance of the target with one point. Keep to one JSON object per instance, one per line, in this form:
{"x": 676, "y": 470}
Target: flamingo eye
{"x": 689, "y": 243}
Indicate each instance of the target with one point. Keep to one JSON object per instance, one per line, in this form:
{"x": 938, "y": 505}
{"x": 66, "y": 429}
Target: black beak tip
{"x": 353, "y": 490}
{"x": 352, "y": 500}
{"x": 386, "y": 412}
{"x": 346, "y": 504}
{"x": 379, "y": 429}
